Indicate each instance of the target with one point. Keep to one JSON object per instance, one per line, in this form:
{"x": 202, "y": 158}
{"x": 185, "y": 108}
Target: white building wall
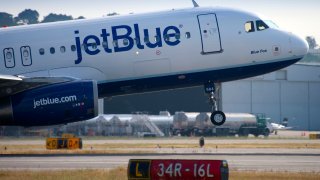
{"x": 294, "y": 103}
{"x": 295, "y": 96}
{"x": 266, "y": 94}
{"x": 236, "y": 96}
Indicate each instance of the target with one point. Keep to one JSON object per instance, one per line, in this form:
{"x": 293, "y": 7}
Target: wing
{"x": 10, "y": 85}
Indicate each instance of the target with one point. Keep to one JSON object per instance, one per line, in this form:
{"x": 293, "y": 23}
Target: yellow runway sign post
{"x": 64, "y": 142}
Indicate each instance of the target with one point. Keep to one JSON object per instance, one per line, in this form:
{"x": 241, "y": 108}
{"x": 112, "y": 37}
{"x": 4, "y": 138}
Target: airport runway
{"x": 237, "y": 161}
{"x": 298, "y": 154}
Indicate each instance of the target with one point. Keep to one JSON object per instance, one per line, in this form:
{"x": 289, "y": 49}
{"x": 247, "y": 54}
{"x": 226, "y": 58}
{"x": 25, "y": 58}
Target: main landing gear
{"x": 217, "y": 117}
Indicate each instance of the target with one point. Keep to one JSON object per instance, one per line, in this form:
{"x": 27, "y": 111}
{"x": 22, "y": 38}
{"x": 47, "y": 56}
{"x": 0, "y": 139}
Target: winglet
{"x": 195, "y": 4}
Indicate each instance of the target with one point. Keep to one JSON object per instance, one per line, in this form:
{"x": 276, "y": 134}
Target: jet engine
{"x": 52, "y": 104}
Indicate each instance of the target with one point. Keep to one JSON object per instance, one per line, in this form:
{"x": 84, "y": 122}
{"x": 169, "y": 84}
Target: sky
{"x": 301, "y": 17}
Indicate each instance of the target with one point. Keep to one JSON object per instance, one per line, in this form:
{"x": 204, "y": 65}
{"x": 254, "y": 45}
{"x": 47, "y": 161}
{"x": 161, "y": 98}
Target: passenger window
{"x": 188, "y": 35}
{"x": 249, "y": 26}
{"x": 62, "y": 49}
{"x": 9, "y": 55}
{"x": 52, "y": 50}
{"x": 261, "y": 25}
{"x": 41, "y": 51}
{"x": 25, "y": 53}
{"x": 73, "y": 47}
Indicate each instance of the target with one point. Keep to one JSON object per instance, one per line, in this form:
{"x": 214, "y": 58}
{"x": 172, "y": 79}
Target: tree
{"x": 28, "y": 16}
{"x": 312, "y": 42}
{"x": 81, "y": 17}
{"x": 113, "y": 14}
{"x": 56, "y": 17}
{"x": 6, "y": 19}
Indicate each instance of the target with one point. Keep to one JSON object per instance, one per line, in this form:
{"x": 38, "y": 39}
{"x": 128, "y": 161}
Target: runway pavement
{"x": 237, "y": 161}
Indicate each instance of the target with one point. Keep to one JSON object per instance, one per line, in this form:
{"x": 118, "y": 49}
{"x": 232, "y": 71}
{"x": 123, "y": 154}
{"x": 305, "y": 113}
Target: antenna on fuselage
{"x": 195, "y": 4}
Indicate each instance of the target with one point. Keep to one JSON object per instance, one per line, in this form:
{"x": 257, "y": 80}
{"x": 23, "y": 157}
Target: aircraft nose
{"x": 300, "y": 46}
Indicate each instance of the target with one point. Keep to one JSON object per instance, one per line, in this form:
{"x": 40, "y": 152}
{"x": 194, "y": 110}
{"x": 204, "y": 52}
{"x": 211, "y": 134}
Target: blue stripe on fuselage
{"x": 148, "y": 84}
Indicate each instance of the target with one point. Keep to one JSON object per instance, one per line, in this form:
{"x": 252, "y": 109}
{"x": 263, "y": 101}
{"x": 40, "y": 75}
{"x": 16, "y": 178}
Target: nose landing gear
{"x": 217, "y": 117}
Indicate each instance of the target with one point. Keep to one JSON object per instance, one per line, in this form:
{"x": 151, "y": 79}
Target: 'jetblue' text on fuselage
{"x": 124, "y": 38}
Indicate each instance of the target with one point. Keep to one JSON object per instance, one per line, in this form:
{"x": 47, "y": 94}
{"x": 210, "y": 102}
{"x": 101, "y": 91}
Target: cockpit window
{"x": 261, "y": 25}
{"x": 249, "y": 26}
{"x": 271, "y": 24}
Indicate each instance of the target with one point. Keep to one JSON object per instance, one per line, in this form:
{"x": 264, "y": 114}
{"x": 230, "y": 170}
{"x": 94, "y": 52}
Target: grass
{"x": 294, "y": 137}
{"x": 210, "y": 145}
{"x": 123, "y": 145}
{"x": 249, "y": 175}
{"x": 149, "y": 147}
{"x": 120, "y": 173}
{"x": 95, "y": 174}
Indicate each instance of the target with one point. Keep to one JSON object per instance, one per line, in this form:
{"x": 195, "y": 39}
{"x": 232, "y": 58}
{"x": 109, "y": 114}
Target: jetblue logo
{"x": 130, "y": 38}
{"x": 50, "y": 101}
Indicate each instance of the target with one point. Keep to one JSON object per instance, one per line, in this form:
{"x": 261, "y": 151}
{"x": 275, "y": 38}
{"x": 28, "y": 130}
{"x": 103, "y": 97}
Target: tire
{"x": 218, "y": 118}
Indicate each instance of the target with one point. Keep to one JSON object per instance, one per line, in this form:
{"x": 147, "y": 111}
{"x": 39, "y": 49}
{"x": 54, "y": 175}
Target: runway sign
{"x": 314, "y": 136}
{"x": 64, "y": 143}
{"x": 178, "y": 169}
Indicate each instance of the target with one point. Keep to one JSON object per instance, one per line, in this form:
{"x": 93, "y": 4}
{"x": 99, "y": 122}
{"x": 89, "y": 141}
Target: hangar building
{"x": 292, "y": 93}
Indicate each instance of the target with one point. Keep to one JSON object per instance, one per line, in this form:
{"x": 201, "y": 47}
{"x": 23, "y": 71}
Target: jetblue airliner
{"x": 54, "y": 73}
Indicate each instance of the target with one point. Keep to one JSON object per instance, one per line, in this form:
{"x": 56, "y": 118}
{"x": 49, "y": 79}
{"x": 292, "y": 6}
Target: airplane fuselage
{"x": 147, "y": 52}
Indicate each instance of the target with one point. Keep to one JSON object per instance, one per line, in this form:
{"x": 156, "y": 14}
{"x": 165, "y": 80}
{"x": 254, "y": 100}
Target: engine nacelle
{"x": 50, "y": 105}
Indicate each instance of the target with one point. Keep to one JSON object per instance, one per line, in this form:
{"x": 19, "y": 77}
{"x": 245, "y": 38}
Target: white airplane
{"x": 277, "y": 127}
{"x": 54, "y": 73}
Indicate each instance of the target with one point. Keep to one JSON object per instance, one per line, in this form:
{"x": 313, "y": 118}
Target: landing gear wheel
{"x": 218, "y": 118}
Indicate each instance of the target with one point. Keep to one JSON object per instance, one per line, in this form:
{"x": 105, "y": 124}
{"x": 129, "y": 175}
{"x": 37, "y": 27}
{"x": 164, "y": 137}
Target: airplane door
{"x": 210, "y": 35}
{"x": 26, "y": 55}
{"x": 9, "y": 59}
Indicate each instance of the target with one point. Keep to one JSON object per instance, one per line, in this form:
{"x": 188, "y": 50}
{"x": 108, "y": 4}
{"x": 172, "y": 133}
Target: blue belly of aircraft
{"x": 108, "y": 89}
